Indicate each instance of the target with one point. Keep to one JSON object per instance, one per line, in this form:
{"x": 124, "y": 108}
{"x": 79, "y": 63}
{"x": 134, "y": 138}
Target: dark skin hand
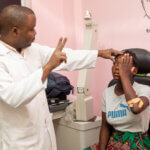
{"x": 125, "y": 66}
{"x": 109, "y": 53}
{"x": 56, "y": 59}
{"x": 126, "y": 72}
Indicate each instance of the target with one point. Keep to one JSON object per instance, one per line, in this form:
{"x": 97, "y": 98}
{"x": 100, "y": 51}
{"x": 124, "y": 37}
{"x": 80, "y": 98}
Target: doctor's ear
{"x": 134, "y": 70}
{"x": 15, "y": 31}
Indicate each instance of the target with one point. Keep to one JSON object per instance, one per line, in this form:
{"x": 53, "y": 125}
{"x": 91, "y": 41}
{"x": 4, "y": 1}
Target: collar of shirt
{"x": 7, "y": 48}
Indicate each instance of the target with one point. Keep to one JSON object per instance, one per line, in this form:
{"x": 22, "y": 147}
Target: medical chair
{"x": 143, "y": 57}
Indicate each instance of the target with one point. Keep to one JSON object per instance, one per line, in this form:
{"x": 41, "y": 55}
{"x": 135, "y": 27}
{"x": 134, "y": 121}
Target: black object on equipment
{"x": 58, "y": 87}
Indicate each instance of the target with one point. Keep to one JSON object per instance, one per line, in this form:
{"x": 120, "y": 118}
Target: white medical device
{"x": 84, "y": 101}
{"x": 26, "y": 3}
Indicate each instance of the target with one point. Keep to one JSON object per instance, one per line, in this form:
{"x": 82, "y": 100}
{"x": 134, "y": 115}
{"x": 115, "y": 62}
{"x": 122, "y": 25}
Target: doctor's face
{"x": 27, "y": 32}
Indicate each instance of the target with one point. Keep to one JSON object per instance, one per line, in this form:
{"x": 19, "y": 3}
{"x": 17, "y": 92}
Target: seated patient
{"x": 126, "y": 109}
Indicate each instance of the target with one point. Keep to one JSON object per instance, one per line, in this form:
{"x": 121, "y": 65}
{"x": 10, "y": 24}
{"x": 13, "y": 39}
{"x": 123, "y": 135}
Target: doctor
{"x": 25, "y": 121}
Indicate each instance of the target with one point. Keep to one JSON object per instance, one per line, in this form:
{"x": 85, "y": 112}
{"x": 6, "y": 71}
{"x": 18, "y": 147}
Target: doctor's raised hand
{"x": 56, "y": 59}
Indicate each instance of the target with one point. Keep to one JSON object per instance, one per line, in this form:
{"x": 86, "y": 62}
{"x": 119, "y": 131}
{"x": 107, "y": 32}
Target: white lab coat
{"x": 25, "y": 121}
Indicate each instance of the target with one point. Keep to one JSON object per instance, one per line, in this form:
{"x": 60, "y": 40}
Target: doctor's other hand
{"x": 56, "y": 59}
{"x": 58, "y": 56}
{"x": 109, "y": 53}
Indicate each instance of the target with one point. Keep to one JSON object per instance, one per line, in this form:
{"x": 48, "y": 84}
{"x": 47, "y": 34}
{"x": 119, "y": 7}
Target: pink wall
{"x": 121, "y": 25}
{"x": 55, "y": 19}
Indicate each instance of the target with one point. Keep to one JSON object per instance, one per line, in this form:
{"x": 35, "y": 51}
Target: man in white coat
{"x": 25, "y": 121}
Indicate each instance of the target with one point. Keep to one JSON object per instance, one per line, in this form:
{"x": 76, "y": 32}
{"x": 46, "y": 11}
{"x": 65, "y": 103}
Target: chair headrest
{"x": 143, "y": 57}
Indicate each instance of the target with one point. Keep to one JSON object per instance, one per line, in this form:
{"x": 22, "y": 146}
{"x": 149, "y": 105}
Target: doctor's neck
{"x": 10, "y": 43}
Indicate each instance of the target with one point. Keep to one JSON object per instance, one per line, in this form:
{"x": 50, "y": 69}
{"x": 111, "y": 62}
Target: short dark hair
{"x": 135, "y": 60}
{"x": 13, "y": 15}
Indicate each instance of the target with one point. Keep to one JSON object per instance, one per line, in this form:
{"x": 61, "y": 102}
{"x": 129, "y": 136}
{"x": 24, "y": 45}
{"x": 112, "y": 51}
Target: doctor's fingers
{"x": 63, "y": 58}
{"x": 61, "y": 44}
{"x": 60, "y": 56}
{"x": 111, "y": 58}
{"x": 115, "y": 52}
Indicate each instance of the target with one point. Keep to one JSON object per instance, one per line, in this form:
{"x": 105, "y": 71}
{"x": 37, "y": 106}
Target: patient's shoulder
{"x": 109, "y": 90}
{"x": 141, "y": 89}
{"x": 140, "y": 86}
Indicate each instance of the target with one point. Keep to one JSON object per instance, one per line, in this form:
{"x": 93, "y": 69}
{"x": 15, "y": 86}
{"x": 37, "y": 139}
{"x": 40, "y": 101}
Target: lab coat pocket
{"x": 23, "y": 138}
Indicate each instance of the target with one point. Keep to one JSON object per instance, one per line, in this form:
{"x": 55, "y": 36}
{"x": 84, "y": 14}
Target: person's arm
{"x": 104, "y": 133}
{"x": 76, "y": 59}
{"x": 125, "y": 75}
{"x": 85, "y": 59}
{"x": 17, "y": 93}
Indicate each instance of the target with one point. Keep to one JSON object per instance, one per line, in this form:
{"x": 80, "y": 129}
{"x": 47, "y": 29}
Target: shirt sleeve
{"x": 79, "y": 59}
{"x": 144, "y": 92}
{"x": 76, "y": 59}
{"x": 18, "y": 93}
{"x": 103, "y": 102}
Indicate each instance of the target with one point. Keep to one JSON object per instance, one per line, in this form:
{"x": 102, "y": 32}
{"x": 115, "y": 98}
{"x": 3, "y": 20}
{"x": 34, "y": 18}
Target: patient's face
{"x": 115, "y": 68}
